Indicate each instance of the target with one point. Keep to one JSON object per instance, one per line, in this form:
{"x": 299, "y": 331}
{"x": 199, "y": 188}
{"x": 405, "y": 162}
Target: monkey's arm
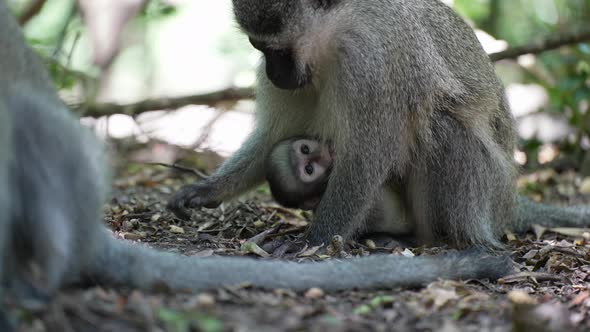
{"x": 241, "y": 172}
{"x": 375, "y": 142}
{"x": 277, "y": 117}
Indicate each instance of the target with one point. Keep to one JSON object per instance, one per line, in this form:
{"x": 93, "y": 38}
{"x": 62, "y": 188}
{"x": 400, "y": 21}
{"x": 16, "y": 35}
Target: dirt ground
{"x": 550, "y": 293}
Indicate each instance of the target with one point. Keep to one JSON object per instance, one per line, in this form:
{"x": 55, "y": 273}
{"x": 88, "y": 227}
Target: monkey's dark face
{"x": 282, "y": 68}
{"x": 284, "y": 31}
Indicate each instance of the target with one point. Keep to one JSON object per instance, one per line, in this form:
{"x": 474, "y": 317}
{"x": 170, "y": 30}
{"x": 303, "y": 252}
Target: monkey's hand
{"x": 193, "y": 196}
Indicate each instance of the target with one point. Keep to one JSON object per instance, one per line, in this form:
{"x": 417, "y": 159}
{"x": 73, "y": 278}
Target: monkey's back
{"x": 52, "y": 167}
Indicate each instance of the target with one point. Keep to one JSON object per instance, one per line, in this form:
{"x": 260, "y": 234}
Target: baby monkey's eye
{"x": 305, "y": 149}
{"x": 309, "y": 169}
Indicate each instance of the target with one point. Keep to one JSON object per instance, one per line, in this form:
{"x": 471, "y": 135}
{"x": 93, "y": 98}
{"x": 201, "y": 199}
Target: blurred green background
{"x": 180, "y": 48}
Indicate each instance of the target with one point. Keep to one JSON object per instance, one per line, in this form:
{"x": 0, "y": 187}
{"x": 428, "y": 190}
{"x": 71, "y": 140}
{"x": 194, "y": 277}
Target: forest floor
{"x": 550, "y": 294}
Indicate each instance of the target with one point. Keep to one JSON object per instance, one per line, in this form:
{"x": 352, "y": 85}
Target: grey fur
{"x": 410, "y": 100}
{"x": 53, "y": 181}
{"x": 406, "y": 93}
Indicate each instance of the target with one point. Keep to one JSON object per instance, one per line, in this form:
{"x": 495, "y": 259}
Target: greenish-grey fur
{"x": 53, "y": 179}
{"x": 405, "y": 92}
{"x": 409, "y": 99}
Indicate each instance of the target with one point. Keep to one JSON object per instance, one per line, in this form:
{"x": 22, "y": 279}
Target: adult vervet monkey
{"x": 53, "y": 186}
{"x": 406, "y": 94}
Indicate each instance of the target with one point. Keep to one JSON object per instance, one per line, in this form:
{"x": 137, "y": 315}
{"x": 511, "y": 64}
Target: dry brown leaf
{"x": 176, "y": 229}
{"x": 571, "y": 231}
{"x": 310, "y": 252}
{"x": 440, "y": 294}
{"x": 314, "y": 293}
{"x": 510, "y": 236}
{"x": 585, "y": 186}
{"x": 519, "y": 296}
{"x": 580, "y": 298}
{"x": 205, "y": 225}
{"x": 539, "y": 230}
{"x": 253, "y": 248}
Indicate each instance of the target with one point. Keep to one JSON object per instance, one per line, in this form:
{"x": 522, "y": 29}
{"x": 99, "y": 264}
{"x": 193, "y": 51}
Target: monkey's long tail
{"x": 529, "y": 213}
{"x": 125, "y": 264}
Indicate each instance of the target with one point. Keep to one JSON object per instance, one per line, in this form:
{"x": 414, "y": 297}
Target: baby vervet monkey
{"x": 54, "y": 182}
{"x": 298, "y": 171}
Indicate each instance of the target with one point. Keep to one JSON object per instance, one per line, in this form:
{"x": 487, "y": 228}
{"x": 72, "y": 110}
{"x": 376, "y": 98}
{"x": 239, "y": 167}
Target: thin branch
{"x": 61, "y": 37}
{"x": 182, "y": 169}
{"x": 206, "y": 131}
{"x": 573, "y": 37}
{"x": 237, "y": 94}
{"x": 211, "y": 99}
{"x": 32, "y": 10}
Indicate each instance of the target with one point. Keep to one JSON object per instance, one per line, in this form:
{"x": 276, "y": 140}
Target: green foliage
{"x": 477, "y": 11}
{"x": 188, "y": 321}
{"x": 374, "y": 303}
{"x": 155, "y": 9}
{"x": 563, "y": 73}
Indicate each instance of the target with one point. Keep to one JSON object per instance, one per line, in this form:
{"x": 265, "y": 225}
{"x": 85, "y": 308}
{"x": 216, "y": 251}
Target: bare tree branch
{"x": 206, "y": 131}
{"x": 573, "y": 37}
{"x": 236, "y": 94}
{"x": 32, "y": 10}
{"x": 212, "y": 99}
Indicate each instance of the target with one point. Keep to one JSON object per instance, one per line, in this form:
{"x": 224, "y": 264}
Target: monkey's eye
{"x": 309, "y": 169}
{"x": 305, "y": 149}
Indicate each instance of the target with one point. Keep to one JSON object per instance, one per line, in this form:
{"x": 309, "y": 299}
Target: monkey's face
{"x": 311, "y": 161}
{"x": 297, "y": 172}
{"x": 287, "y": 32}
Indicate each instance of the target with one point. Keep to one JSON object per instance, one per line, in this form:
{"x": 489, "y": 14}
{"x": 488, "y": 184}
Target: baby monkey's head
{"x": 297, "y": 171}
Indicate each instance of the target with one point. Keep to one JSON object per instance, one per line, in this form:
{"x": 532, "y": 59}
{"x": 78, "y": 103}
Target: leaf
{"x": 374, "y": 303}
{"x": 176, "y": 230}
{"x": 310, "y": 252}
{"x": 253, "y": 248}
{"x": 571, "y": 231}
{"x": 539, "y": 230}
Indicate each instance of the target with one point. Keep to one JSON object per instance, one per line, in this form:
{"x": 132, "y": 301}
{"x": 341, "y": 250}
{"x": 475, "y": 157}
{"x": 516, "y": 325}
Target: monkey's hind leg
{"x": 460, "y": 193}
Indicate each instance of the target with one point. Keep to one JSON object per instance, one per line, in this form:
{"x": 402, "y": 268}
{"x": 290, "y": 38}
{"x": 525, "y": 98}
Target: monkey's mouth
{"x": 281, "y": 66}
{"x": 258, "y": 44}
